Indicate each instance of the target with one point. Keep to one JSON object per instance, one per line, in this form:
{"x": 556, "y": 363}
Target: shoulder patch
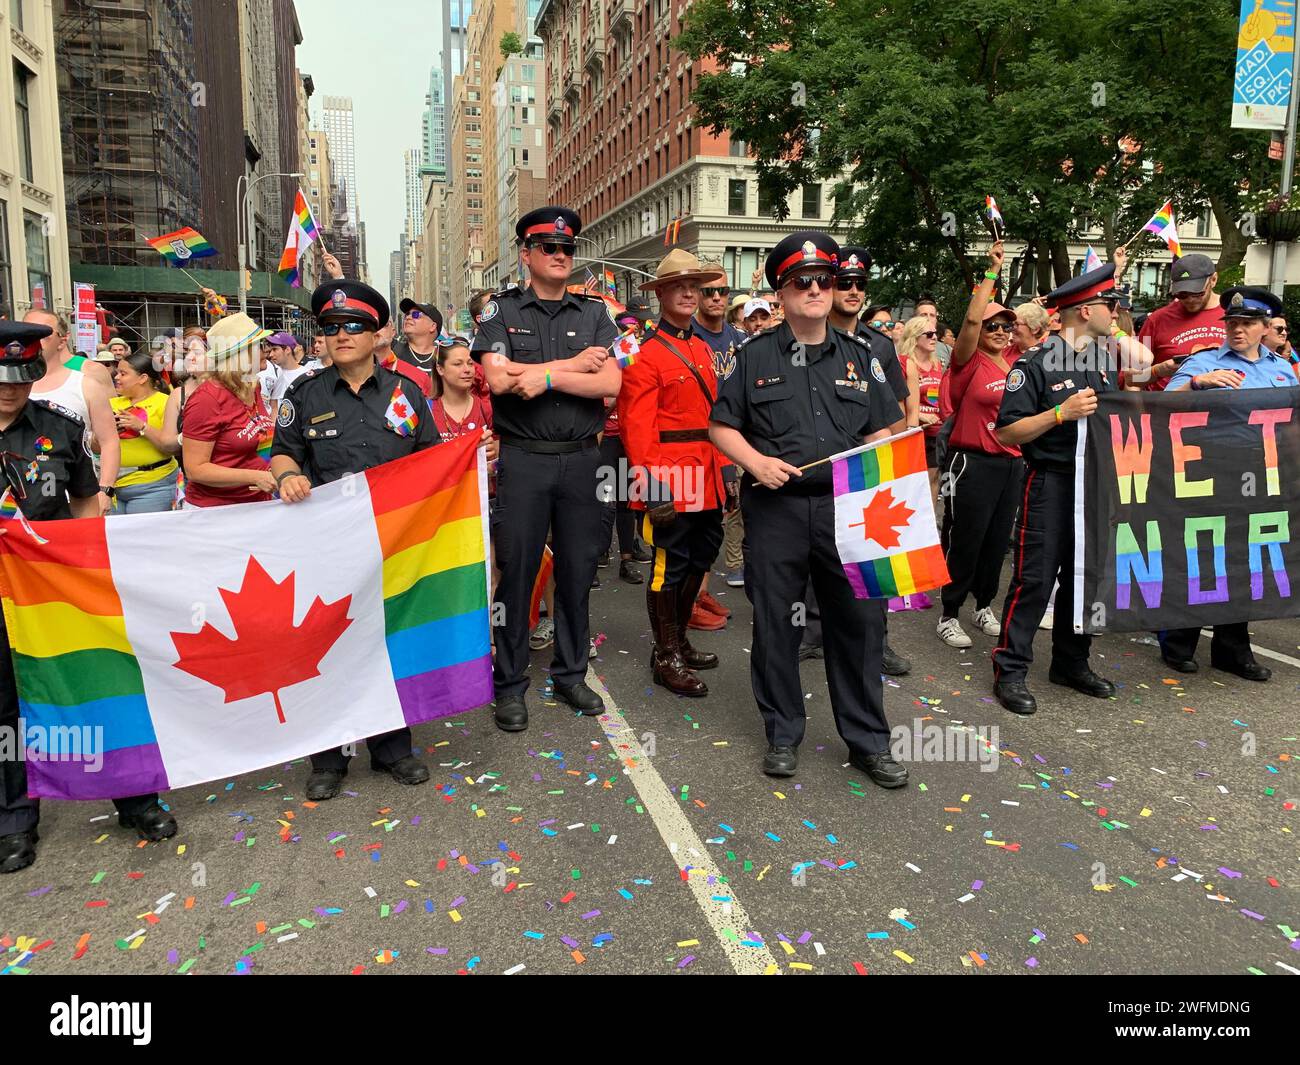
{"x": 489, "y": 310}
{"x": 285, "y": 415}
{"x": 877, "y": 371}
{"x": 1015, "y": 379}
{"x": 58, "y": 408}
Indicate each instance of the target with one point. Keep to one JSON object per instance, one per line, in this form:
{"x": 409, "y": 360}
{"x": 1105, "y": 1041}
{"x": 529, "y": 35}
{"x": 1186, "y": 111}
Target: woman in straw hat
{"x": 228, "y": 431}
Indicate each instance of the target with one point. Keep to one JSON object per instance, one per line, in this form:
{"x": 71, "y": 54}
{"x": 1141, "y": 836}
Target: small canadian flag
{"x": 400, "y": 417}
{"x": 625, "y": 349}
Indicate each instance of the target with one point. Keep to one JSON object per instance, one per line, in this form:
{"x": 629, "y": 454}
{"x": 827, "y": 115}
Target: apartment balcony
{"x": 622, "y": 12}
{"x": 593, "y": 51}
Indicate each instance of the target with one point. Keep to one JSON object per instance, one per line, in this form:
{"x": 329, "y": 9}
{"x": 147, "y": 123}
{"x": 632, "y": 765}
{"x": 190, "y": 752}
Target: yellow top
{"x": 137, "y": 451}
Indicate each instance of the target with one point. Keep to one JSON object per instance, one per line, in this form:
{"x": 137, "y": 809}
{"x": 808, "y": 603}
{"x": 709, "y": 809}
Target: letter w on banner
{"x": 884, "y": 519}
{"x": 1184, "y": 503}
{"x": 237, "y": 647}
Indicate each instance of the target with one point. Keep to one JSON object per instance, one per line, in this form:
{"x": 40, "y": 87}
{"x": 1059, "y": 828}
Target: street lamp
{"x": 244, "y": 226}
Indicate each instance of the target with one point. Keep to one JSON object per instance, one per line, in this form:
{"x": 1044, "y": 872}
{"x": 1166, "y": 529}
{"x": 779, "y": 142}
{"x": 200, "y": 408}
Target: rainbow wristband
{"x": 1058, "y": 414}
{"x": 548, "y": 382}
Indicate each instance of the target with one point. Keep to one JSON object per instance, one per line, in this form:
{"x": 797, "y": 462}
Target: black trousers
{"x": 18, "y": 811}
{"x": 384, "y": 750}
{"x": 617, "y": 515}
{"x": 684, "y": 546}
{"x": 1230, "y": 646}
{"x": 790, "y": 539}
{"x": 537, "y": 493}
{"x": 981, "y": 493}
{"x": 812, "y": 633}
{"x": 1044, "y": 554}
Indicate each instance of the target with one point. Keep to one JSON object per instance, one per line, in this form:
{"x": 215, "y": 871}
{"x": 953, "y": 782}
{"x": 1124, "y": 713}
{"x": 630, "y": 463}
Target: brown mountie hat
{"x": 681, "y": 265}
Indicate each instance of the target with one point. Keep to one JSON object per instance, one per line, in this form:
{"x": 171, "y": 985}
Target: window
{"x": 736, "y": 149}
{"x": 6, "y": 275}
{"x": 16, "y": 13}
{"x": 21, "y": 77}
{"x": 1203, "y": 222}
{"x": 737, "y": 194}
{"x": 765, "y": 202}
{"x": 38, "y": 260}
{"x": 812, "y": 201}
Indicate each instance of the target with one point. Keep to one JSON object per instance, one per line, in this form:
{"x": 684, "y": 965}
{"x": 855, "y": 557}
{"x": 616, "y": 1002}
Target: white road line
{"x": 683, "y": 842}
{"x": 1276, "y": 656}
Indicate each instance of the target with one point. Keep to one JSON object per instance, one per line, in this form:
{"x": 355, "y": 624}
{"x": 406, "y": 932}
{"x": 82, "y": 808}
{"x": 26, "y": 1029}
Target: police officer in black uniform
{"x": 846, "y": 308}
{"x": 805, "y": 391}
{"x": 346, "y": 418}
{"x": 545, "y": 353}
{"x": 50, "y": 476}
{"x": 1048, "y": 390}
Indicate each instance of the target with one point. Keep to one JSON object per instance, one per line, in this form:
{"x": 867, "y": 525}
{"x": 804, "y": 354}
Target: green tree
{"x": 1064, "y": 110}
{"x": 510, "y": 44}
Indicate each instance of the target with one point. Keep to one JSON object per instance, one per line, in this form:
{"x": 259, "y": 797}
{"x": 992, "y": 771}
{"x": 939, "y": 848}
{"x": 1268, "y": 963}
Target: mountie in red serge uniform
{"x": 663, "y": 413}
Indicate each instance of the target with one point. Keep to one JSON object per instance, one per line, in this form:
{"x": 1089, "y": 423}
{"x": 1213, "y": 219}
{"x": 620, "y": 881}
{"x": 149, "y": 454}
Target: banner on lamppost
{"x": 1265, "y": 43}
{"x": 87, "y": 322}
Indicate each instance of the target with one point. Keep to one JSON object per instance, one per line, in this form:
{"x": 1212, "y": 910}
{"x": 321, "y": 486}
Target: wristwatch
{"x": 108, "y": 490}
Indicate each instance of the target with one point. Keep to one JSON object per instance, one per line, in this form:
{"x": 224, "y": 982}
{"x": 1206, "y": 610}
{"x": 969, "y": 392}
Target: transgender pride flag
{"x": 884, "y": 519}
{"x": 250, "y": 641}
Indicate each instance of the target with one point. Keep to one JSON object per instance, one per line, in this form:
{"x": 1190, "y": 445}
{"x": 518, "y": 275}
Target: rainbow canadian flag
{"x": 243, "y": 644}
{"x": 884, "y": 519}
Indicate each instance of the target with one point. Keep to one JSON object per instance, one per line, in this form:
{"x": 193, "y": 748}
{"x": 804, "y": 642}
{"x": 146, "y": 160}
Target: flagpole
{"x": 1277, "y": 268}
{"x": 865, "y": 447}
{"x": 191, "y": 277}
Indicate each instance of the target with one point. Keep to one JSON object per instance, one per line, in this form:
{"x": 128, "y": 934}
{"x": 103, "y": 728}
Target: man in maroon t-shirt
{"x": 1192, "y": 321}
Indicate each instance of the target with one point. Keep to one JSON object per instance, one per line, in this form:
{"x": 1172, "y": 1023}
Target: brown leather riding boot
{"x": 687, "y": 592}
{"x": 666, "y": 662}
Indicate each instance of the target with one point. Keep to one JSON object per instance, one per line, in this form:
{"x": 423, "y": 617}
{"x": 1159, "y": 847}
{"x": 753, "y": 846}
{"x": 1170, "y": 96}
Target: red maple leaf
{"x": 882, "y": 516}
{"x": 269, "y": 651}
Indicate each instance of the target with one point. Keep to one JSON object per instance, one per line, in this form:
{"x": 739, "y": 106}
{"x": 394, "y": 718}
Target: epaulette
{"x": 301, "y": 378}
{"x": 57, "y": 408}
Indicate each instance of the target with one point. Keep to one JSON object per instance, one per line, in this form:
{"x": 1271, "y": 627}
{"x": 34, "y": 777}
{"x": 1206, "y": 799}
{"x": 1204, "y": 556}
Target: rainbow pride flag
{"x": 884, "y": 519}
{"x": 302, "y": 231}
{"x": 1162, "y": 224}
{"x": 180, "y": 247}
{"x": 125, "y": 685}
{"x": 626, "y": 349}
{"x": 991, "y": 210}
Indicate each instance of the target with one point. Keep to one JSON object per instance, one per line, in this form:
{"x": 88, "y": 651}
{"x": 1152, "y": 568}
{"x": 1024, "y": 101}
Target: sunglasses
{"x": 1109, "y": 304}
{"x": 882, "y": 326}
{"x": 12, "y": 476}
{"x": 415, "y": 314}
{"x": 803, "y": 282}
{"x": 550, "y": 247}
{"x": 331, "y": 329}
{"x": 1280, "y": 329}
{"x": 715, "y": 292}
{"x": 848, "y": 284}
{"x": 999, "y": 327}
{"x": 931, "y": 334}
{"x": 453, "y": 342}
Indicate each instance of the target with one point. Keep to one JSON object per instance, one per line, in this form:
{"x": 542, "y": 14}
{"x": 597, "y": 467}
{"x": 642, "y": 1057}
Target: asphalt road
{"x": 1152, "y": 833}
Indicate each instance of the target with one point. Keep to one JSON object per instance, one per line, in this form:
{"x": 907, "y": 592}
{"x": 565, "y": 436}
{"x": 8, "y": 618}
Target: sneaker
{"x": 736, "y": 578}
{"x": 951, "y": 633}
{"x": 1049, "y": 619}
{"x": 543, "y": 635}
{"x": 988, "y": 623}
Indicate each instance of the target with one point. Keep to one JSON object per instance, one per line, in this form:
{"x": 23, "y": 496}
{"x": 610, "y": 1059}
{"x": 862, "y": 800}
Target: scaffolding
{"x": 129, "y": 132}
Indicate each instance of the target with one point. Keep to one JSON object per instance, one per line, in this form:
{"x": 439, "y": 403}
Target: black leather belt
{"x": 549, "y": 447}
{"x": 683, "y": 436}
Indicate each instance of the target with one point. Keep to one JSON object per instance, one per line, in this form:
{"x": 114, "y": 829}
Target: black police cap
{"x": 557, "y": 224}
{"x": 804, "y": 248}
{"x": 1250, "y": 301}
{"x": 20, "y": 352}
{"x": 854, "y": 261}
{"x": 349, "y": 300}
{"x": 1088, "y": 286}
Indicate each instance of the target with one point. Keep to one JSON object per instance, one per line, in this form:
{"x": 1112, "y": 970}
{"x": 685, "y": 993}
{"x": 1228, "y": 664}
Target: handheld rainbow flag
{"x": 1092, "y": 261}
{"x": 884, "y": 520}
{"x": 991, "y": 210}
{"x": 611, "y": 286}
{"x": 302, "y": 231}
{"x": 1162, "y": 224}
{"x": 180, "y": 247}
{"x": 300, "y": 651}
{"x": 626, "y": 349}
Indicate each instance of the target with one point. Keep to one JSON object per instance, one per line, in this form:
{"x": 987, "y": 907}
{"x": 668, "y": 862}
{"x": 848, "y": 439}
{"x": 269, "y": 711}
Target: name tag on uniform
{"x": 322, "y": 418}
{"x": 767, "y": 382}
{"x": 519, "y": 331}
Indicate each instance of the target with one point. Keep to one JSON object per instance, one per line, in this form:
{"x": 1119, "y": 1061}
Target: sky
{"x": 379, "y": 54}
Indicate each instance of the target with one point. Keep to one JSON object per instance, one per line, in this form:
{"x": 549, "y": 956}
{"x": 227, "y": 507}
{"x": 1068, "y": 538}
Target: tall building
{"x": 318, "y": 178}
{"x": 625, "y": 153}
{"x": 336, "y": 120}
{"x": 518, "y": 147}
{"x": 33, "y": 237}
{"x": 433, "y": 161}
{"x": 130, "y": 132}
{"x": 414, "y": 192}
{"x": 396, "y": 275}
